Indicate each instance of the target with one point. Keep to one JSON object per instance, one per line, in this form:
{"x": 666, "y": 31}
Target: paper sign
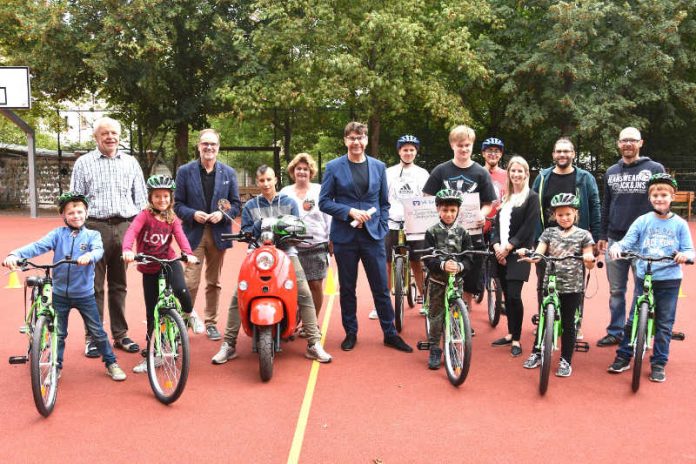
{"x": 419, "y": 214}
{"x": 470, "y": 213}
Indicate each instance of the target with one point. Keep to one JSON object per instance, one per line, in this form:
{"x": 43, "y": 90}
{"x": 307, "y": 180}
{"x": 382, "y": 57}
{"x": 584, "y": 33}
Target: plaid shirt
{"x": 114, "y": 187}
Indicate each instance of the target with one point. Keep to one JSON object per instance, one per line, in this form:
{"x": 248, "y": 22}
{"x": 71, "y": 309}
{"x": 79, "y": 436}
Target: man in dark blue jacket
{"x": 354, "y": 192}
{"x": 625, "y": 199}
{"x": 199, "y": 186}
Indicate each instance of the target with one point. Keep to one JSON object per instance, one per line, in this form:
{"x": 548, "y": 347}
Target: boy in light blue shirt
{"x": 658, "y": 233}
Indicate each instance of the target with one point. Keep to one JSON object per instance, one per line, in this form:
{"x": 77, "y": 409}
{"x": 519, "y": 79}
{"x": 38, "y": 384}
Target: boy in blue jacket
{"x": 73, "y": 286}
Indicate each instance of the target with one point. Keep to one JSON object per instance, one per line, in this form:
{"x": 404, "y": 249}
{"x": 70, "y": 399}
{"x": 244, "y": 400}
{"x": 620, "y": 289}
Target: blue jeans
{"x": 666, "y": 293}
{"x": 373, "y": 256}
{"x": 87, "y": 306}
{"x": 617, "y": 274}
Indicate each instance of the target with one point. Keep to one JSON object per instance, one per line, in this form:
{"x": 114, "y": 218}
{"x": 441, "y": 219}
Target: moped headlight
{"x": 243, "y": 285}
{"x": 265, "y": 261}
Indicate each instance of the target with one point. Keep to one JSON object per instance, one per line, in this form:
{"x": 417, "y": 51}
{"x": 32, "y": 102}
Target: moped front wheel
{"x": 168, "y": 358}
{"x": 44, "y": 373}
{"x": 264, "y": 348}
{"x": 641, "y": 340}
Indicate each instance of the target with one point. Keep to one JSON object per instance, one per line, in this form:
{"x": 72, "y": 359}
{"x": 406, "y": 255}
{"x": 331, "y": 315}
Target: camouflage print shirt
{"x": 451, "y": 239}
{"x": 569, "y": 272}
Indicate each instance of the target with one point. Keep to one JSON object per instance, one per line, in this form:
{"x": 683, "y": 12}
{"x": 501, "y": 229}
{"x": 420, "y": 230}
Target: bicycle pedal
{"x": 423, "y": 346}
{"x": 535, "y": 319}
{"x": 18, "y": 359}
{"x": 582, "y": 347}
{"x": 678, "y": 336}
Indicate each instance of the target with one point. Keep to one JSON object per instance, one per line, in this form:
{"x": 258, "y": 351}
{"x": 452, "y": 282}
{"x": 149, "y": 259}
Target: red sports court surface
{"x": 370, "y": 405}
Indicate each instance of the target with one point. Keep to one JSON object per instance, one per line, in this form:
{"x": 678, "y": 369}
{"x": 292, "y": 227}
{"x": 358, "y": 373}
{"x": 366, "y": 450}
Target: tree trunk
{"x": 181, "y": 142}
{"x": 374, "y": 125}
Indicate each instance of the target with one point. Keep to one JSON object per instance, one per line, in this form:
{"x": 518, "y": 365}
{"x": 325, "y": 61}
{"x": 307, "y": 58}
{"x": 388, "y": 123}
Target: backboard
{"x": 15, "y": 93}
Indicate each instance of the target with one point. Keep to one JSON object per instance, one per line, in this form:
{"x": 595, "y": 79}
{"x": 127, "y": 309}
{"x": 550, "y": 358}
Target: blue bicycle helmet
{"x": 405, "y": 139}
{"x": 493, "y": 142}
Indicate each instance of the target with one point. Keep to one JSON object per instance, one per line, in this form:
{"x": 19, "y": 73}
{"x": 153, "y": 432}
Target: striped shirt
{"x": 114, "y": 187}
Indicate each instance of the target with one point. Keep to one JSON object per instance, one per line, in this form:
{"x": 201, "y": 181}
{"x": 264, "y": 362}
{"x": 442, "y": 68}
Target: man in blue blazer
{"x": 354, "y": 192}
{"x": 199, "y": 185}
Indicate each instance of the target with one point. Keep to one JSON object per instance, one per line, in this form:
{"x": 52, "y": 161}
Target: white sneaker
{"x": 317, "y": 353}
{"x": 373, "y": 314}
{"x": 226, "y": 353}
{"x": 141, "y": 368}
{"x": 115, "y": 372}
{"x": 194, "y": 321}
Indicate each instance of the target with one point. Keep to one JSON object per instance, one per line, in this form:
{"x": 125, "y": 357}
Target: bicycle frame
{"x": 551, "y": 298}
{"x": 400, "y": 250}
{"x": 165, "y": 301}
{"x": 646, "y": 296}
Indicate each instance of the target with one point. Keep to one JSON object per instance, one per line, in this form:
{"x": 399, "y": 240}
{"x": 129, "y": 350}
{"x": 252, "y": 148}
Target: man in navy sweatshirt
{"x": 625, "y": 198}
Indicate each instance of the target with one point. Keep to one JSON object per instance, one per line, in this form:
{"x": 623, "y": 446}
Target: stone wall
{"x": 14, "y": 173}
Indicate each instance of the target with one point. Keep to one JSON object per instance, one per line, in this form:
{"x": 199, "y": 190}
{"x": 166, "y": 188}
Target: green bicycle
{"x": 41, "y": 326}
{"x": 457, "y": 333}
{"x": 168, "y": 352}
{"x": 402, "y": 281}
{"x": 643, "y": 319}
{"x": 548, "y": 320}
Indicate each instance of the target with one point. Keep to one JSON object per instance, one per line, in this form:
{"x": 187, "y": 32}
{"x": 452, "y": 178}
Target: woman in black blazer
{"x": 513, "y": 228}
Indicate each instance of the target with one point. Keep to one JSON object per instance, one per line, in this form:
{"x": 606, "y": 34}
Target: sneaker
{"x": 564, "y": 369}
{"x": 115, "y": 372}
{"x": 398, "y": 343}
{"x": 373, "y": 314}
{"x": 91, "y": 350}
{"x": 317, "y": 353}
{"x": 423, "y": 311}
{"x": 657, "y": 374}
{"x": 608, "y": 340}
{"x": 533, "y": 361}
{"x": 226, "y": 353}
{"x": 141, "y": 368}
{"x": 212, "y": 332}
{"x": 619, "y": 365}
{"x": 435, "y": 359}
{"x": 195, "y": 322}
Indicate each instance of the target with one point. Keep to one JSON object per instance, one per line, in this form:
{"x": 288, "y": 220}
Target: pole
{"x": 31, "y": 158}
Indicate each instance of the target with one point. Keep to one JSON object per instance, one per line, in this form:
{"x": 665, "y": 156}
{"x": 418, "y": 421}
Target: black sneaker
{"x": 212, "y": 332}
{"x": 608, "y": 340}
{"x": 619, "y": 365}
{"x": 657, "y": 374}
{"x": 397, "y": 342}
{"x": 435, "y": 359}
{"x": 91, "y": 350}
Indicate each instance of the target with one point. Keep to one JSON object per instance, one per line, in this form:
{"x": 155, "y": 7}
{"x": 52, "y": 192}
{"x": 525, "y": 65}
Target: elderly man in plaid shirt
{"x": 114, "y": 185}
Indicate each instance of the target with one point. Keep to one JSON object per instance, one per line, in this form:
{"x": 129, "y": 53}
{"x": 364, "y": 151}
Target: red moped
{"x": 267, "y": 288}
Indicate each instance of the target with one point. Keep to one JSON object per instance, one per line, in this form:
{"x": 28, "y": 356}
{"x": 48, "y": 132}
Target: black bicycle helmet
{"x": 405, "y": 139}
{"x": 663, "y": 178}
{"x": 565, "y": 199}
{"x": 69, "y": 197}
{"x": 160, "y": 181}
{"x": 493, "y": 142}
{"x": 449, "y": 196}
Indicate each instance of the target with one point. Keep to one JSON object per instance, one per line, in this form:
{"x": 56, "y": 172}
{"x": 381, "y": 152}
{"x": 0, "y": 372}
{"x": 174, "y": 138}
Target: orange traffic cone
{"x": 681, "y": 292}
{"x": 13, "y": 281}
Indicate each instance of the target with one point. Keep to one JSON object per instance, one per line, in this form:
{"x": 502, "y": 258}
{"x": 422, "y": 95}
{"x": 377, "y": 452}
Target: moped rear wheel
{"x": 639, "y": 349}
{"x": 264, "y": 348}
{"x": 457, "y": 343}
{"x": 546, "y": 349}
{"x": 168, "y": 358}
{"x": 44, "y": 372}
{"x": 399, "y": 293}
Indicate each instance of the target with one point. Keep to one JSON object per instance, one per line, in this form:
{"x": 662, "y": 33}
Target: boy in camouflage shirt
{"x": 449, "y": 237}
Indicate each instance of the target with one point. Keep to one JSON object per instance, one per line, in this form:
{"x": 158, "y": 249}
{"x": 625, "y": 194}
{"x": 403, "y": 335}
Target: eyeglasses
{"x": 627, "y": 141}
{"x": 356, "y": 138}
{"x": 208, "y": 144}
{"x": 562, "y": 152}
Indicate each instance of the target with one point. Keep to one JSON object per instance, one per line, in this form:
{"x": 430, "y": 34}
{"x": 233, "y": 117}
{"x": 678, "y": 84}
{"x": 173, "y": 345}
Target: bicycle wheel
{"x": 399, "y": 292}
{"x": 494, "y": 300}
{"x": 264, "y": 348}
{"x": 168, "y": 357}
{"x": 639, "y": 349}
{"x": 44, "y": 372}
{"x": 457, "y": 343}
{"x": 426, "y": 307}
{"x": 546, "y": 349}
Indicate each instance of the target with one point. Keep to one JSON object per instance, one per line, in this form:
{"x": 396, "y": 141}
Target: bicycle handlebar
{"x": 24, "y": 264}
{"x": 534, "y": 255}
{"x": 440, "y": 253}
{"x": 146, "y": 259}
{"x": 651, "y": 259}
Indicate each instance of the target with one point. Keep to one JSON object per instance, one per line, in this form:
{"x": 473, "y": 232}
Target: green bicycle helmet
{"x": 160, "y": 181}
{"x": 663, "y": 178}
{"x": 565, "y": 199}
{"x": 449, "y": 196}
{"x": 69, "y": 197}
{"x": 289, "y": 224}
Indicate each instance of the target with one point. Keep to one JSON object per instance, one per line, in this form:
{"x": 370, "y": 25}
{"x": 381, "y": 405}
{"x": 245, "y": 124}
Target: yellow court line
{"x": 298, "y": 439}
